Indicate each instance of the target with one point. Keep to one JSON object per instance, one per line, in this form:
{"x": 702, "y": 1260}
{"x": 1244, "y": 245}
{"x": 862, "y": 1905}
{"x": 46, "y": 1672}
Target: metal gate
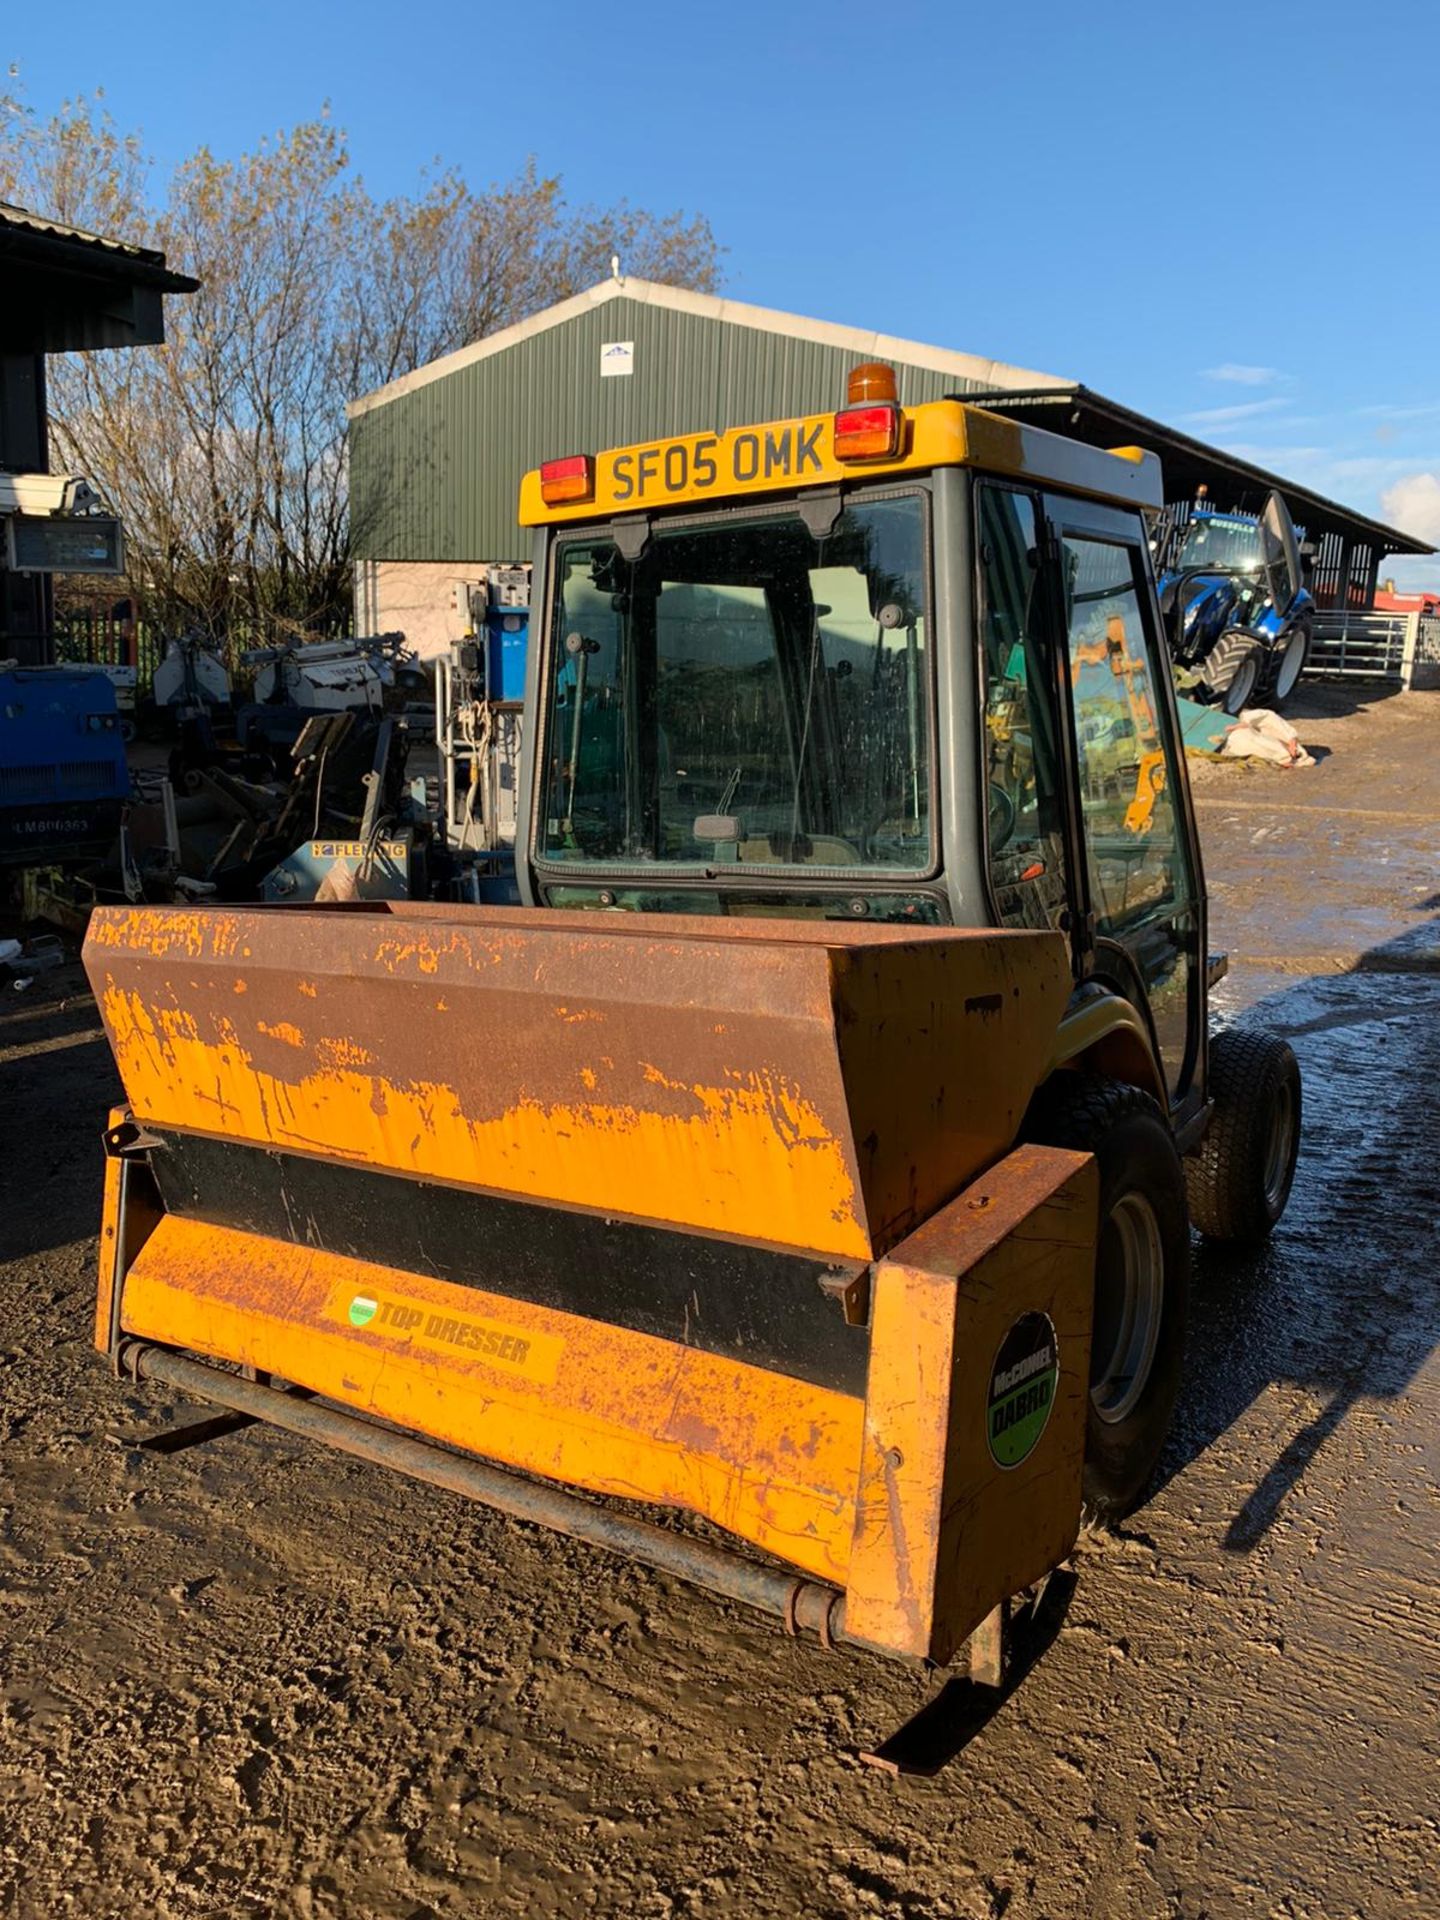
{"x": 1403, "y": 648}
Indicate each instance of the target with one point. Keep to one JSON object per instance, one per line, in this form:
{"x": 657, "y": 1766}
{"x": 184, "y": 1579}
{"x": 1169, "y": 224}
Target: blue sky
{"x": 1226, "y": 217}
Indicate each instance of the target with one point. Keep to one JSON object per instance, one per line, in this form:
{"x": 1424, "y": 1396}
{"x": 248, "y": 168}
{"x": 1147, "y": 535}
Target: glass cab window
{"x": 1024, "y": 810}
{"x": 745, "y": 693}
{"x": 1229, "y": 544}
{"x": 1136, "y": 856}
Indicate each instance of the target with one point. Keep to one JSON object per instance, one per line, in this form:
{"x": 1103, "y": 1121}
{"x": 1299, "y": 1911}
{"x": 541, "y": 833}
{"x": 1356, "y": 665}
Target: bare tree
{"x": 224, "y": 450}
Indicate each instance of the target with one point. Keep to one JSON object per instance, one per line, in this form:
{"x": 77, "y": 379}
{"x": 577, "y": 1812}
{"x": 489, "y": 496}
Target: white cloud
{"x": 1413, "y": 505}
{"x": 1399, "y": 413}
{"x": 1279, "y": 459}
{"x": 1369, "y": 470}
{"x": 1242, "y": 376}
{"x": 1224, "y": 416}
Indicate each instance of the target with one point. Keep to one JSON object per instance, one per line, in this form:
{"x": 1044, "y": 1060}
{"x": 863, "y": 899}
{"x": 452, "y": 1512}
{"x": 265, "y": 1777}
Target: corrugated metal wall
{"x": 434, "y": 473}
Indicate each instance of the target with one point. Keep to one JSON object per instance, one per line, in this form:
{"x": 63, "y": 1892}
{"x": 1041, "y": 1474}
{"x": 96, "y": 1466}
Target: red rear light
{"x": 570, "y": 479}
{"x": 868, "y": 433}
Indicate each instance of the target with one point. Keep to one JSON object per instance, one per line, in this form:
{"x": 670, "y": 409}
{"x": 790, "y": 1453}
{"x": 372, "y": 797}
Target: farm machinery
{"x": 1241, "y": 620}
{"x": 814, "y": 1151}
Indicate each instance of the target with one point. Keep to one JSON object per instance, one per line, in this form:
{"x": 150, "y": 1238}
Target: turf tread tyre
{"x": 1225, "y": 1175}
{"x": 1132, "y": 1143}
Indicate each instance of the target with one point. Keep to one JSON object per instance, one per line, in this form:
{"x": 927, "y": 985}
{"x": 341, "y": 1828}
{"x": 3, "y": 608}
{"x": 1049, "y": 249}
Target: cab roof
{"x": 781, "y": 456}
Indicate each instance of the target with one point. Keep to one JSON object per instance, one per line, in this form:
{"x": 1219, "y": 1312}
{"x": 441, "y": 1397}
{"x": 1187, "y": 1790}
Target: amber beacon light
{"x": 868, "y": 426}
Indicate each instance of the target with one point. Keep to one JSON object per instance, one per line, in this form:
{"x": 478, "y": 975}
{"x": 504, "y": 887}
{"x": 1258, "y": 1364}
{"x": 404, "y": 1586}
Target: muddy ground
{"x": 257, "y": 1679}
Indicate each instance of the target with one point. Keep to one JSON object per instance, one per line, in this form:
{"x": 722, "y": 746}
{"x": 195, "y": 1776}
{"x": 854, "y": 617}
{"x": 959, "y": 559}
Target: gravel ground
{"x": 257, "y": 1679}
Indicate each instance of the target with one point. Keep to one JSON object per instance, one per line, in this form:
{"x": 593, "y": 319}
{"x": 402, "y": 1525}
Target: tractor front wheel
{"x": 1142, "y": 1277}
{"x": 1231, "y": 670}
{"x": 1285, "y": 664}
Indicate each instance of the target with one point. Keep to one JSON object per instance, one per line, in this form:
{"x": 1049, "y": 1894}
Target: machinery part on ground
{"x": 190, "y": 679}
{"x": 125, "y": 680}
{"x": 23, "y": 960}
{"x": 374, "y": 868}
{"x": 1238, "y": 1179}
{"x": 1231, "y": 672}
{"x": 241, "y": 827}
{"x": 325, "y": 676}
{"x": 385, "y": 858}
{"x": 1142, "y": 1277}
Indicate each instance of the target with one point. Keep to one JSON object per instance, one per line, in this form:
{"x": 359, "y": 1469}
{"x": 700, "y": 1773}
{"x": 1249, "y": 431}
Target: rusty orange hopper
{"x": 724, "y": 1216}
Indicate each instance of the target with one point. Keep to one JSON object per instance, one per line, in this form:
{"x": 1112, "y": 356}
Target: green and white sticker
{"x": 363, "y": 1310}
{"x": 1022, "y": 1389}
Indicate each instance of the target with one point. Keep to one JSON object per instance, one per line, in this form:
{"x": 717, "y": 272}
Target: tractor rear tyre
{"x": 1232, "y": 669}
{"x": 1238, "y": 1179}
{"x": 1142, "y": 1277}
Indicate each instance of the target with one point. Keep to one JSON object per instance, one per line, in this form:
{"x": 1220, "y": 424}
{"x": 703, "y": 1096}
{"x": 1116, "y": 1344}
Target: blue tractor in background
{"x": 64, "y": 781}
{"x": 1240, "y": 618}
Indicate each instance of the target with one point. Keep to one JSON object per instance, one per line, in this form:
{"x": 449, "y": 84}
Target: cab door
{"x": 1142, "y": 911}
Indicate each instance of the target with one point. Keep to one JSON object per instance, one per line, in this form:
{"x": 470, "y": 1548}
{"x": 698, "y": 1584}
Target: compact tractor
{"x": 816, "y": 1149}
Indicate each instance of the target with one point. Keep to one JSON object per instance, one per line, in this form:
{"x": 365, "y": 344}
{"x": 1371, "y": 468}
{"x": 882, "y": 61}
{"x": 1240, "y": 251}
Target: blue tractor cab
{"x": 1239, "y": 615}
{"x": 64, "y": 780}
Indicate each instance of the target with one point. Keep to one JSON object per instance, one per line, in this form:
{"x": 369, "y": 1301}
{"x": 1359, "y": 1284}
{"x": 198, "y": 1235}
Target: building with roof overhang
{"x": 436, "y": 456}
{"x": 62, "y": 290}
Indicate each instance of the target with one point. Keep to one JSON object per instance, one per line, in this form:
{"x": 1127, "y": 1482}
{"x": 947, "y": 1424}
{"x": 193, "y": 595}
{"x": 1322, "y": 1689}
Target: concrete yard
{"x": 256, "y": 1678}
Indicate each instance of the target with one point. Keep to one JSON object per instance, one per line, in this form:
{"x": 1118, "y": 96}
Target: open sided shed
{"x": 436, "y": 456}
{"x": 62, "y": 290}
{"x": 1349, "y": 546}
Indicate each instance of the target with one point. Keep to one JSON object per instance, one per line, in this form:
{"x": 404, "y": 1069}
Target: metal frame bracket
{"x": 130, "y": 1141}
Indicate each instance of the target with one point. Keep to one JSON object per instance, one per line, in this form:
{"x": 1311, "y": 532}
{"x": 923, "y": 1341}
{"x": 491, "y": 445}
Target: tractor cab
{"x": 888, "y": 665}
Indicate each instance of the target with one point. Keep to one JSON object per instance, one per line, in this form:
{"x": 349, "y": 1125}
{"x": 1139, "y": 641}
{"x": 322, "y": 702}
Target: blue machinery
{"x": 506, "y": 626}
{"x": 64, "y": 781}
